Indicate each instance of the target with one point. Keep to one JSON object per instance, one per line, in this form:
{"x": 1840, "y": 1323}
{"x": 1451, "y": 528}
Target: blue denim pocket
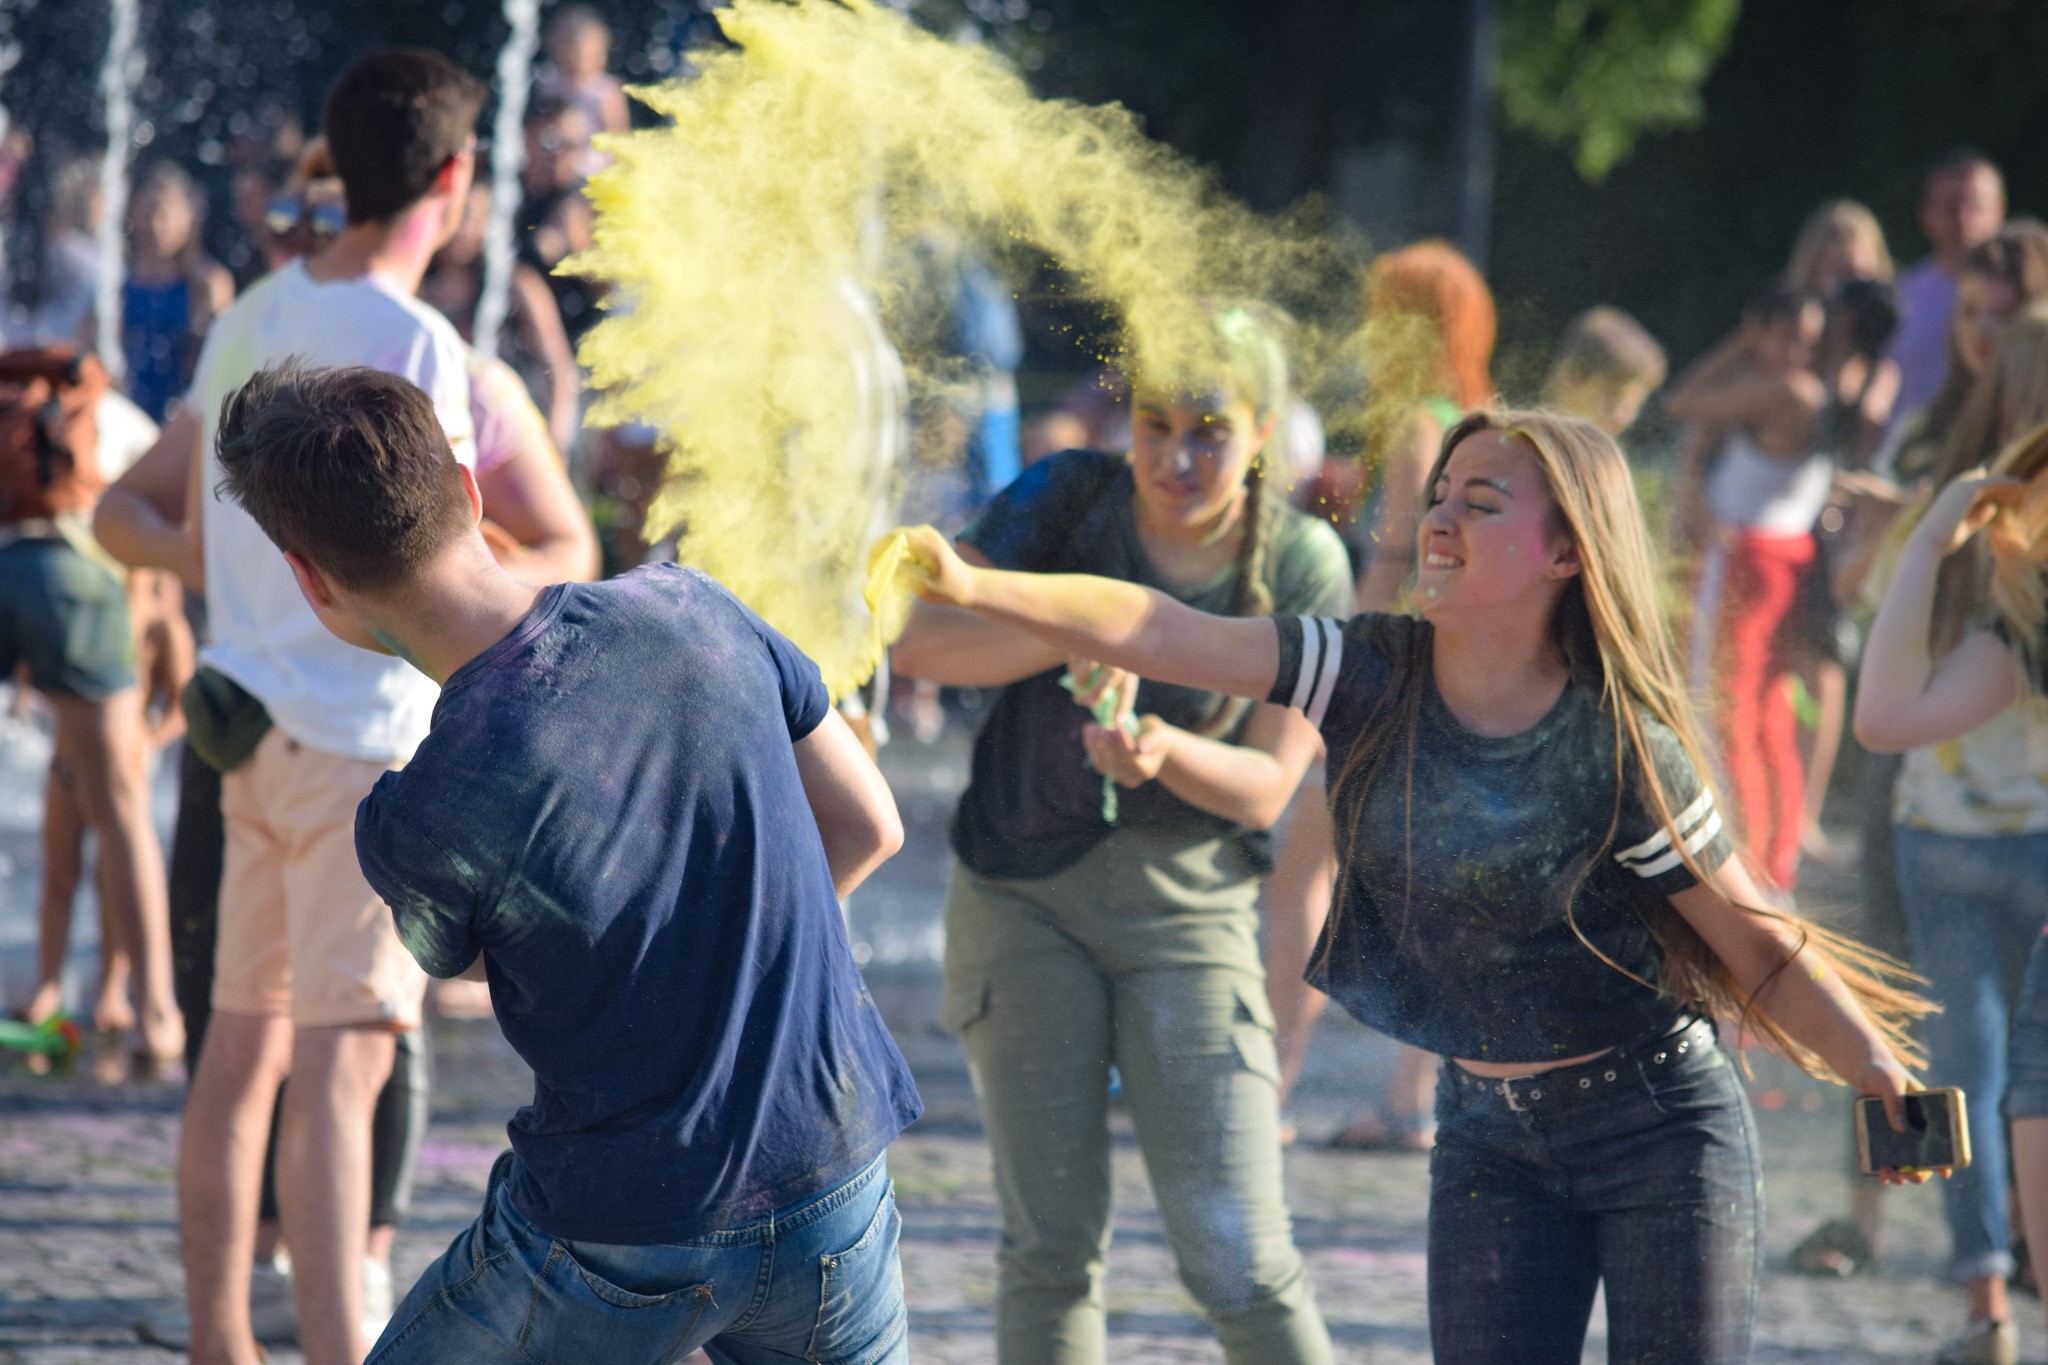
{"x": 577, "y": 1315}
{"x": 861, "y": 1317}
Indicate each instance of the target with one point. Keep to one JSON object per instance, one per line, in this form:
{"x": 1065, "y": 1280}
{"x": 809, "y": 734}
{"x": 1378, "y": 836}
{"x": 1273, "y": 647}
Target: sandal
{"x": 1376, "y": 1132}
{"x": 1837, "y": 1248}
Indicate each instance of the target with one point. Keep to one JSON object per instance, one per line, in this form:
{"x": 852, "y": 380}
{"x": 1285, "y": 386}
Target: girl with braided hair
{"x": 1535, "y": 883}
{"x": 1082, "y": 936}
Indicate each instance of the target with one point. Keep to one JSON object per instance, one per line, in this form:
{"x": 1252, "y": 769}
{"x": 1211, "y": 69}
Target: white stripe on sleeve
{"x": 1693, "y": 845}
{"x": 1333, "y": 663}
{"x": 1311, "y": 656}
{"x": 1661, "y": 840}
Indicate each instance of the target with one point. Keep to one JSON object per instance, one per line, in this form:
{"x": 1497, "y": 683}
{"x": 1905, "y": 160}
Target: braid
{"x": 1252, "y": 363}
{"x": 1252, "y": 595}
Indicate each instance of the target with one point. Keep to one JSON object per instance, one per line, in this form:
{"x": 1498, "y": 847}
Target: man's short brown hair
{"x": 347, "y": 467}
{"x": 392, "y": 121}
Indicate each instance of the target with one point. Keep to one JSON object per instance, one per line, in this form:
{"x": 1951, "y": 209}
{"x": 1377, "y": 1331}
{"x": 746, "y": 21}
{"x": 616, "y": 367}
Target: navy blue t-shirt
{"x": 608, "y": 808}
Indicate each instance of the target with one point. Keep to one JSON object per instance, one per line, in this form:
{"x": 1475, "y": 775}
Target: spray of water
{"x": 120, "y": 74}
{"x": 832, "y": 144}
{"x": 508, "y": 155}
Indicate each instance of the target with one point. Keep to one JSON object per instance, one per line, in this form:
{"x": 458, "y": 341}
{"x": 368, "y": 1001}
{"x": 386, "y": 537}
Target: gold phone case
{"x": 1950, "y": 1098}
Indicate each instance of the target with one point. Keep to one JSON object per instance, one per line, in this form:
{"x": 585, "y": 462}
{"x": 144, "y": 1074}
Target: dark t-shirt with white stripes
{"x": 1469, "y": 870}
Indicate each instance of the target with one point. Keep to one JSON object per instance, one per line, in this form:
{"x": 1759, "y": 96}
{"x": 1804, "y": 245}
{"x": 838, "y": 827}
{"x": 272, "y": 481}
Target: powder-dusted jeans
{"x": 1975, "y": 907}
{"x": 1142, "y": 955}
{"x": 1638, "y": 1169}
{"x": 818, "y": 1282}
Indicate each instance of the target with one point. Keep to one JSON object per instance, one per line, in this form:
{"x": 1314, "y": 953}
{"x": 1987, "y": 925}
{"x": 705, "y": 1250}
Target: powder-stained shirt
{"x": 1991, "y": 781}
{"x": 1033, "y": 805}
{"x": 608, "y": 808}
{"x": 1455, "y": 929}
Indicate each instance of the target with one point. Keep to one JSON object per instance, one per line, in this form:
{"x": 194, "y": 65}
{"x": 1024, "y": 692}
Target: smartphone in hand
{"x": 1937, "y": 1138}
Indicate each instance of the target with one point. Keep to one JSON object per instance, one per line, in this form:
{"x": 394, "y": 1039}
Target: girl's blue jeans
{"x": 1975, "y": 906}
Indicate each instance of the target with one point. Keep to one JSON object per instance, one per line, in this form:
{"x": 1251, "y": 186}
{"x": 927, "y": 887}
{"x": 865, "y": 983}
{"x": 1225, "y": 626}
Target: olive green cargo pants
{"x": 1143, "y": 955}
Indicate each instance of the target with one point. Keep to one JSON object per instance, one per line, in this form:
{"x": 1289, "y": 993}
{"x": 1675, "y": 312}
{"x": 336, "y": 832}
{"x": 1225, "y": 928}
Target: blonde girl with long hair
{"x": 1970, "y": 810}
{"x": 1535, "y": 882}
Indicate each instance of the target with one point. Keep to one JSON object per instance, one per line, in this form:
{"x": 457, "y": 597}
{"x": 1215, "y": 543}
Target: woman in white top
{"x": 1767, "y": 490}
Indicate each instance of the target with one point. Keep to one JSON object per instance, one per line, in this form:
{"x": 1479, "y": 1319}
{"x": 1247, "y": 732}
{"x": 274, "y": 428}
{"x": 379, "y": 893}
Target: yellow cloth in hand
{"x": 894, "y": 574}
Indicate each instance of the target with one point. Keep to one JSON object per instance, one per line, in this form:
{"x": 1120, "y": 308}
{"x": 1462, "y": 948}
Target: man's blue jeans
{"x": 815, "y": 1283}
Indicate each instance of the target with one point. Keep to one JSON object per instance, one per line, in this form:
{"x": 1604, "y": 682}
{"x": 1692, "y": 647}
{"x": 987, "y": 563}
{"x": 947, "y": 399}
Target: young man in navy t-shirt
{"x": 634, "y": 815}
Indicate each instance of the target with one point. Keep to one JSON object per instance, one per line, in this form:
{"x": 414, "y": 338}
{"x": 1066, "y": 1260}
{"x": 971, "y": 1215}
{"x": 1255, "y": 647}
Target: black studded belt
{"x": 1588, "y": 1079}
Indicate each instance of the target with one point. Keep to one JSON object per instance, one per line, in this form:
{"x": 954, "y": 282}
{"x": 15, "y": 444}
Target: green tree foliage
{"x": 1595, "y": 75}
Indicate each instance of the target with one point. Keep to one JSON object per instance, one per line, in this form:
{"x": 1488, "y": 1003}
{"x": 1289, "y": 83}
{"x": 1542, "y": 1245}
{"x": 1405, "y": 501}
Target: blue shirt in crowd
{"x": 609, "y": 809}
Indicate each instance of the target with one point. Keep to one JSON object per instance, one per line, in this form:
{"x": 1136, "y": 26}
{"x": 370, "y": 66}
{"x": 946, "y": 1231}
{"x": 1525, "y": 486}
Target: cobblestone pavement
{"x": 88, "y": 1238}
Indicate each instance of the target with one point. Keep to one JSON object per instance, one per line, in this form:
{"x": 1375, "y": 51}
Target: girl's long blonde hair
{"x": 1999, "y": 576}
{"x": 2007, "y": 403}
{"x": 1613, "y": 637}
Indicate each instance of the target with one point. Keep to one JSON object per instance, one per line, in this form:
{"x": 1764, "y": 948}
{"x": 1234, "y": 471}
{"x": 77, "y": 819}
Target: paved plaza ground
{"x": 88, "y": 1237}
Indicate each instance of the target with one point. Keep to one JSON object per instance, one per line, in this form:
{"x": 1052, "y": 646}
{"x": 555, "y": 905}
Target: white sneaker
{"x": 1983, "y": 1342}
{"x": 273, "y": 1310}
{"x": 376, "y": 1298}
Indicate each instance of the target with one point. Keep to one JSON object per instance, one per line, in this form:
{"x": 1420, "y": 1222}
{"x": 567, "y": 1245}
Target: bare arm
{"x": 1689, "y": 523}
{"x": 1905, "y": 699}
{"x": 1729, "y": 358}
{"x": 218, "y": 289}
{"x": 1410, "y": 456}
{"x": 530, "y": 498}
{"x": 540, "y": 324}
{"x": 1778, "y": 411}
{"x": 957, "y": 648}
{"x": 850, "y": 799}
{"x": 1809, "y": 1000}
{"x": 1297, "y": 904}
{"x": 1108, "y": 620}
{"x": 960, "y": 649}
{"x": 617, "y": 118}
{"x": 1249, "y": 783}
{"x": 141, "y": 520}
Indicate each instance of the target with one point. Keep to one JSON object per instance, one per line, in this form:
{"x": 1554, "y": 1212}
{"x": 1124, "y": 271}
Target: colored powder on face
{"x": 809, "y": 170}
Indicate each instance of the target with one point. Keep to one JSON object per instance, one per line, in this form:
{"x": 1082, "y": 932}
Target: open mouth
{"x": 1437, "y": 559}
